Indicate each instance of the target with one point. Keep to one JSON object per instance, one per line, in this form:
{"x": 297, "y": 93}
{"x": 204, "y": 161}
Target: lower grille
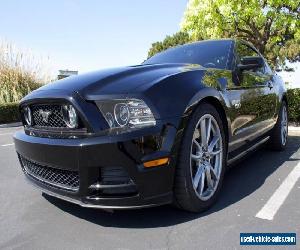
{"x": 64, "y": 179}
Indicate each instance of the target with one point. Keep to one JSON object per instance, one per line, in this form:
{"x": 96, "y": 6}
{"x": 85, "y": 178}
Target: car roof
{"x": 223, "y": 40}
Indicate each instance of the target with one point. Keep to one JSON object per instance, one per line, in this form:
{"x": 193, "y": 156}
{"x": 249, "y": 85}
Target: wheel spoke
{"x": 208, "y": 130}
{"x": 284, "y": 124}
{"x": 208, "y": 178}
{"x": 201, "y": 186}
{"x": 213, "y": 143}
{"x": 197, "y": 145}
{"x": 203, "y": 133}
{"x": 213, "y": 171}
{"x": 198, "y": 174}
{"x": 216, "y": 152}
{"x": 195, "y": 157}
{"x": 284, "y": 132}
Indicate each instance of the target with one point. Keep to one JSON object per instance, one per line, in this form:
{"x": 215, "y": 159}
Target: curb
{"x": 11, "y": 125}
{"x": 293, "y": 128}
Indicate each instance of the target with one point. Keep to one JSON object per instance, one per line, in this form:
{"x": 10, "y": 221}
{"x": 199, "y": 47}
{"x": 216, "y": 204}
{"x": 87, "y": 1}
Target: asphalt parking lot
{"x": 256, "y": 197}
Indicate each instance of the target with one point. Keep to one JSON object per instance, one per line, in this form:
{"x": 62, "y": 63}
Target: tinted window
{"x": 210, "y": 54}
{"x": 244, "y": 50}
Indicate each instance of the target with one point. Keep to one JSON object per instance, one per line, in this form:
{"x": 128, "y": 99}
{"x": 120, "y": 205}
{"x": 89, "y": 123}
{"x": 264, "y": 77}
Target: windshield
{"x": 210, "y": 54}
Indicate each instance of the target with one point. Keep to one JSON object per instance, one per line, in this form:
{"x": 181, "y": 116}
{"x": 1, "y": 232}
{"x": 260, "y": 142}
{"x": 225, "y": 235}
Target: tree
{"x": 170, "y": 41}
{"x": 272, "y": 26}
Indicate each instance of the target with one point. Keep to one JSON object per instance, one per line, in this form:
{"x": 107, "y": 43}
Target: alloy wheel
{"x": 206, "y": 157}
{"x": 284, "y": 125}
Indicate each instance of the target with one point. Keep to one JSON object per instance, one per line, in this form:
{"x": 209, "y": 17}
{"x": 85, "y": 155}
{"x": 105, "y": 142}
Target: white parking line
{"x": 5, "y": 145}
{"x": 270, "y": 209}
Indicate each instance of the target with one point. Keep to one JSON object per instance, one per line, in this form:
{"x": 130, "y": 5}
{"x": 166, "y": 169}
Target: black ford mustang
{"x": 156, "y": 133}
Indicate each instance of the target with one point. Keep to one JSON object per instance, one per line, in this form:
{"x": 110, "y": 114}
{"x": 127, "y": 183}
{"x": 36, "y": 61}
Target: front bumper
{"x": 89, "y": 155}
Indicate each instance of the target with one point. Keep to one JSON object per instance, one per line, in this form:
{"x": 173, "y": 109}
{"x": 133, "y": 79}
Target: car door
{"x": 253, "y": 102}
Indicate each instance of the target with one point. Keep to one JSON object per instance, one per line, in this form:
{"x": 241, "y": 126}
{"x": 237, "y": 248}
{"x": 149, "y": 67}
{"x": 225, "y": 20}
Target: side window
{"x": 244, "y": 50}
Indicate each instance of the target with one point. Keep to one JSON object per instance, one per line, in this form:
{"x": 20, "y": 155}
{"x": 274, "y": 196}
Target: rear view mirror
{"x": 251, "y": 62}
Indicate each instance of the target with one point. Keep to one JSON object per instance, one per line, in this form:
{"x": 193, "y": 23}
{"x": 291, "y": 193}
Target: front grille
{"x": 54, "y": 119}
{"x": 64, "y": 179}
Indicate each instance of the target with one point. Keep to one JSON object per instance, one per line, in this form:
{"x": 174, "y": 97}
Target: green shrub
{"x": 294, "y": 105}
{"x": 9, "y": 112}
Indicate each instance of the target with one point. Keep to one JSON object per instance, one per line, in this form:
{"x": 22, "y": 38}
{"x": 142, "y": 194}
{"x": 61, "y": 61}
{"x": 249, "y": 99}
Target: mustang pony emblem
{"x": 44, "y": 115}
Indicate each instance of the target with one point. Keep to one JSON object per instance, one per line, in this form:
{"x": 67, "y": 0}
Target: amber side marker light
{"x": 156, "y": 163}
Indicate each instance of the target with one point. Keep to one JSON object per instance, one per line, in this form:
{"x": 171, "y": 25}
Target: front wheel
{"x": 201, "y": 165}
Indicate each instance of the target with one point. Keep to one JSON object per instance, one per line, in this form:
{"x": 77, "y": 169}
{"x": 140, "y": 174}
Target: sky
{"x": 90, "y": 35}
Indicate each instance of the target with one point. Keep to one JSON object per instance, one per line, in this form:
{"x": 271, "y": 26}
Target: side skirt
{"x": 230, "y": 162}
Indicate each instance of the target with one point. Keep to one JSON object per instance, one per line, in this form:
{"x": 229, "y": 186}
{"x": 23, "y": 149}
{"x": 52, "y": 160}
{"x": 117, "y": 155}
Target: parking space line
{"x": 5, "y": 145}
{"x": 270, "y": 209}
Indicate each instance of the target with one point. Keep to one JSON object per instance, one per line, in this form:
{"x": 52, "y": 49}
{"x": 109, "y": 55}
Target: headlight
{"x": 27, "y": 116}
{"x": 130, "y": 113}
{"x": 70, "y": 116}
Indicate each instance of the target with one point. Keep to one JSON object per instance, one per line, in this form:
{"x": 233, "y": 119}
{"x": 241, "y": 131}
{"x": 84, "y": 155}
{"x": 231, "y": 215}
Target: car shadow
{"x": 240, "y": 181}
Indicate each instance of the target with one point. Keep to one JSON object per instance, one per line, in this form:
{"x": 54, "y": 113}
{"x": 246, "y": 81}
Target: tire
{"x": 192, "y": 162}
{"x": 279, "y": 137}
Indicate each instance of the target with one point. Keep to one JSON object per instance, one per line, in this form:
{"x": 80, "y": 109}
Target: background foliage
{"x": 20, "y": 73}
{"x": 272, "y": 26}
{"x": 294, "y": 105}
{"x": 170, "y": 41}
{"x": 9, "y": 112}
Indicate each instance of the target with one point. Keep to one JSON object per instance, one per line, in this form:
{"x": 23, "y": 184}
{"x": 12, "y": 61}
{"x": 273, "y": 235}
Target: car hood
{"x": 118, "y": 80}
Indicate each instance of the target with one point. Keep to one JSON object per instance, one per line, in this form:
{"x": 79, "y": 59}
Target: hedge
{"x": 294, "y": 105}
{"x": 9, "y": 112}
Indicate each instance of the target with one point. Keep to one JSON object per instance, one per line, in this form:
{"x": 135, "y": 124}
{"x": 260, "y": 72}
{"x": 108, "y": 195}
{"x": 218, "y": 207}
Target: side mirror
{"x": 251, "y": 62}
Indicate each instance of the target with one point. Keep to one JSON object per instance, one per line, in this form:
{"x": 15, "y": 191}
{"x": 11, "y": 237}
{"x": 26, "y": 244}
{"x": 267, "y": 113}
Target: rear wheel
{"x": 201, "y": 165}
{"x": 279, "y": 133}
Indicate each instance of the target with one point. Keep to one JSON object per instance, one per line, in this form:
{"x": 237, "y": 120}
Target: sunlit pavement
{"x": 29, "y": 220}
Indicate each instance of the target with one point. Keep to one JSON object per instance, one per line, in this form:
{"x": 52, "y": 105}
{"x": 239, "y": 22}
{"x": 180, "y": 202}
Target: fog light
{"x": 27, "y": 116}
{"x": 70, "y": 116}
